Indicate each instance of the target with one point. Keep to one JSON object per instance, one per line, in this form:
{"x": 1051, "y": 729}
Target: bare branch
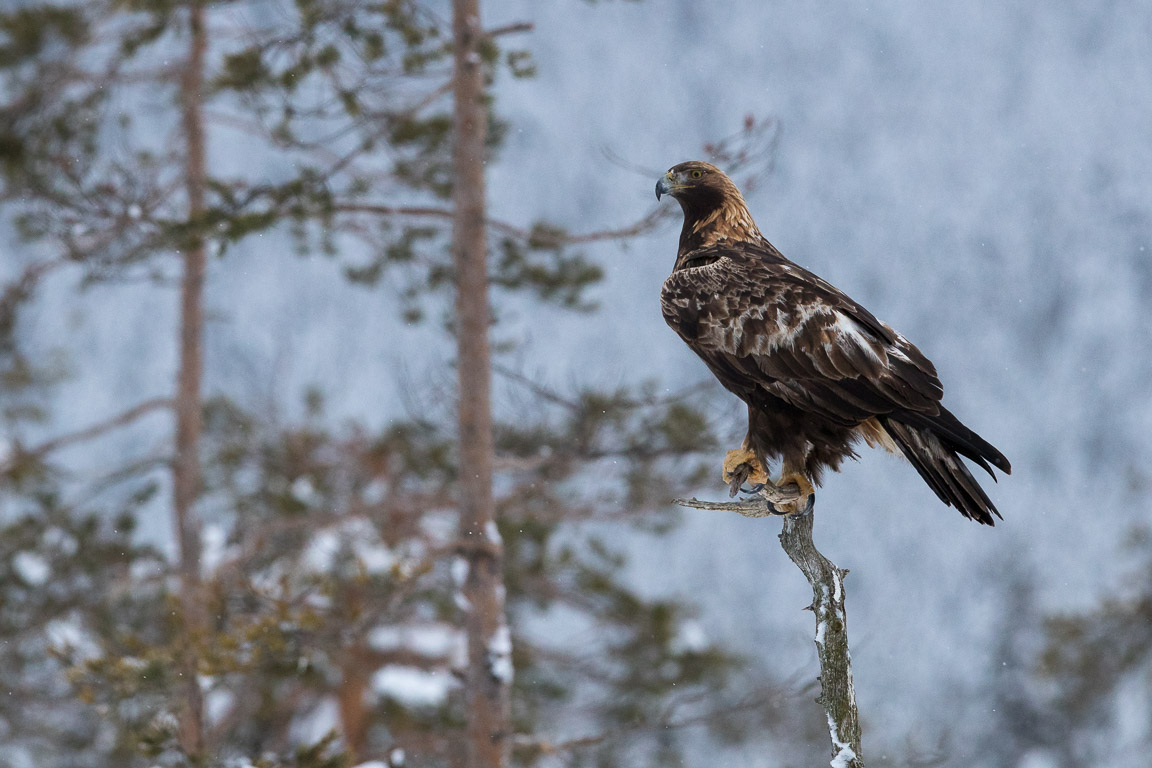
{"x": 837, "y": 695}
{"x": 552, "y": 396}
{"x": 646, "y": 224}
{"x": 123, "y": 474}
{"x": 19, "y": 288}
{"x": 396, "y": 210}
{"x": 616, "y": 159}
{"x": 758, "y": 505}
{"x": 649, "y": 222}
{"x": 544, "y": 393}
{"x": 440, "y": 91}
{"x": 508, "y": 29}
{"x": 89, "y": 433}
{"x": 667, "y": 722}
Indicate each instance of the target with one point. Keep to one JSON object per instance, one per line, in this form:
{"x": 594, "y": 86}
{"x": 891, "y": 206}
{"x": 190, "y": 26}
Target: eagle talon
{"x": 808, "y": 507}
{"x": 804, "y": 504}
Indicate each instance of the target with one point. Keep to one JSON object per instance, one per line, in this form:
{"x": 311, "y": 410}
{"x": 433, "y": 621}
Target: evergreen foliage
{"x": 329, "y": 551}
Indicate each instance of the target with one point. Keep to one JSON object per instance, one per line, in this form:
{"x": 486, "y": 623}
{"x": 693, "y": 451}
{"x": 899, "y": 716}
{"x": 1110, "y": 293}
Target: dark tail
{"x": 934, "y": 445}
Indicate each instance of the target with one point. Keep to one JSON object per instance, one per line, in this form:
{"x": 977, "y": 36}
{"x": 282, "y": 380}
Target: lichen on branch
{"x": 837, "y": 694}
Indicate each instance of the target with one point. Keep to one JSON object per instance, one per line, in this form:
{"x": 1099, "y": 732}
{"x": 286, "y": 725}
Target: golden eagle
{"x": 817, "y": 370}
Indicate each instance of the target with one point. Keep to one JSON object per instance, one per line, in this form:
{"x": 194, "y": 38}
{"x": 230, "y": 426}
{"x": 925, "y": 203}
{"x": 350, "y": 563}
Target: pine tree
{"x": 325, "y": 587}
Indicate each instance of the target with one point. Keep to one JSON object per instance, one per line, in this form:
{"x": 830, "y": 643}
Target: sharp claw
{"x": 809, "y": 505}
{"x": 737, "y": 480}
{"x": 754, "y": 490}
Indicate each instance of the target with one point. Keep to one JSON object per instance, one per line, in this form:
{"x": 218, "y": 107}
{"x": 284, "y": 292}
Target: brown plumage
{"x": 817, "y": 370}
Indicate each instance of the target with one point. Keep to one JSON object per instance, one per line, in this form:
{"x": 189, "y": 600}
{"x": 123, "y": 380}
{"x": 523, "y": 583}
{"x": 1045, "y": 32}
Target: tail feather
{"x": 934, "y": 455}
{"x": 960, "y": 439}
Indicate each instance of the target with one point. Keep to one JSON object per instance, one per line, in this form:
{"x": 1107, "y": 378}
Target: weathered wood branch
{"x": 757, "y": 505}
{"x": 837, "y": 695}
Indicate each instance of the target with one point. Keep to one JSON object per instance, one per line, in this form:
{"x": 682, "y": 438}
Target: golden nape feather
{"x": 817, "y": 370}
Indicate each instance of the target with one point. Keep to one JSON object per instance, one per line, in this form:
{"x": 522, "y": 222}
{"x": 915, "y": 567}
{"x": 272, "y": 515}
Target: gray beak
{"x": 663, "y": 187}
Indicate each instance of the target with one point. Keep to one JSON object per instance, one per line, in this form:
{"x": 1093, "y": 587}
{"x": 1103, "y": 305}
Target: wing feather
{"x": 762, "y": 322}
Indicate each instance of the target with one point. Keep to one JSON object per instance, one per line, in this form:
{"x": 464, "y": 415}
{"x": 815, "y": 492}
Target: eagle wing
{"x": 760, "y": 321}
{"x": 765, "y": 325}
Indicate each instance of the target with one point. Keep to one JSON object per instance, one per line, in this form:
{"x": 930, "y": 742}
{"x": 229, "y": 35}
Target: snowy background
{"x": 976, "y": 173}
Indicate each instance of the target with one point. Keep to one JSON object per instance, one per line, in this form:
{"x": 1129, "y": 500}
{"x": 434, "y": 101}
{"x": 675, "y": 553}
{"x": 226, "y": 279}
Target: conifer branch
{"x": 88, "y": 433}
{"x": 509, "y": 29}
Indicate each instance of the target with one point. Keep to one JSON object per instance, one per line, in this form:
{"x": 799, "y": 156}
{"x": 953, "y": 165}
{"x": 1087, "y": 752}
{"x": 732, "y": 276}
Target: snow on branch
{"x": 837, "y": 695}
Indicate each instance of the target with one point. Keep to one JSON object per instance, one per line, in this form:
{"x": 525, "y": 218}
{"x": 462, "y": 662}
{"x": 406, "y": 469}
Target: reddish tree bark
{"x": 488, "y": 675}
{"x": 186, "y": 464}
{"x": 355, "y": 678}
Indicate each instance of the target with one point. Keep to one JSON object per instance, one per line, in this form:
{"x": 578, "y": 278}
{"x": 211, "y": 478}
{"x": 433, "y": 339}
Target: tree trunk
{"x": 489, "y": 672}
{"x": 354, "y": 681}
{"x": 186, "y": 465}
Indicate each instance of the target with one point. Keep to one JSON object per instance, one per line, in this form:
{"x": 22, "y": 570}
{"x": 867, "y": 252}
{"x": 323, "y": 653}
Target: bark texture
{"x": 186, "y": 463}
{"x": 837, "y": 694}
{"x": 354, "y": 714}
{"x": 488, "y": 675}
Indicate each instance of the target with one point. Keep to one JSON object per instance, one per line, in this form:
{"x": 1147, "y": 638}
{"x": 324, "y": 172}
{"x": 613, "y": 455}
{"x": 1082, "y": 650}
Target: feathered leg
{"x": 741, "y": 466}
{"x": 746, "y": 464}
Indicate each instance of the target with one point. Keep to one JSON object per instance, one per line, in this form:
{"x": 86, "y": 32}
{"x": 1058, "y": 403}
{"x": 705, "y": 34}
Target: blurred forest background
{"x": 283, "y": 587}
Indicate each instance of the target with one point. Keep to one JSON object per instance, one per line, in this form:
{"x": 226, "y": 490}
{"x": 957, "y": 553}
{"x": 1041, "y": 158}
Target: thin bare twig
{"x": 552, "y": 396}
{"x": 509, "y": 29}
{"x": 616, "y": 159}
{"x": 549, "y": 238}
{"x": 19, "y": 288}
{"x": 88, "y": 433}
{"x": 667, "y": 722}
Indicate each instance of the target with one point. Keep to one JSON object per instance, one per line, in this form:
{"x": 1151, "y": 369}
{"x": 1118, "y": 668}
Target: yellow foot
{"x": 802, "y": 505}
{"x": 741, "y": 466}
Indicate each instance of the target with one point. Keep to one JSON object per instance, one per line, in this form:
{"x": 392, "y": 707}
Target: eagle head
{"x": 713, "y": 206}
{"x": 696, "y": 180}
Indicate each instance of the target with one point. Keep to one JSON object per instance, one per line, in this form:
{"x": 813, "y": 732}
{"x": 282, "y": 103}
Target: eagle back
{"x": 724, "y": 287}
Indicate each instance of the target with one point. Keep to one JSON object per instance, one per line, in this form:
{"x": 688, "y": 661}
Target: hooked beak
{"x": 664, "y": 186}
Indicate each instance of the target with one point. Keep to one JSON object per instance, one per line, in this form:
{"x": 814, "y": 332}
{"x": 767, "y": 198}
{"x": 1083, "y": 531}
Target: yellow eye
{"x": 697, "y": 174}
